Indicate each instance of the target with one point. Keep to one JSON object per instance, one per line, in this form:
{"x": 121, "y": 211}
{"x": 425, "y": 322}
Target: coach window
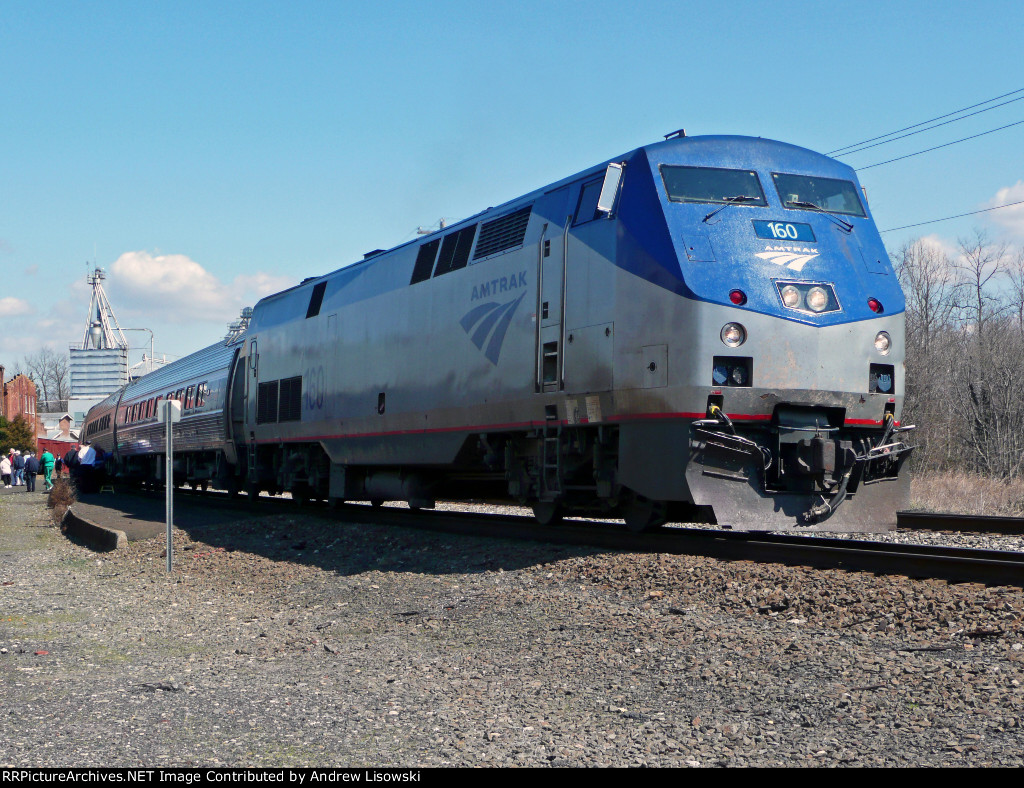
{"x": 189, "y": 393}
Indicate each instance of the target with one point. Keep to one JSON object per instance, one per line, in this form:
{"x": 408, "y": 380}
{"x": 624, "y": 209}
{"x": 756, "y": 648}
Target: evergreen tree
{"x": 17, "y": 434}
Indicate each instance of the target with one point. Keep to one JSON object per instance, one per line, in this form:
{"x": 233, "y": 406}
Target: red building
{"x": 18, "y": 398}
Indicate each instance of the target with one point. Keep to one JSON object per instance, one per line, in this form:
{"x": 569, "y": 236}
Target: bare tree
{"x": 965, "y": 344}
{"x": 51, "y": 372}
{"x": 1015, "y": 271}
{"x": 930, "y": 284}
{"x": 981, "y": 263}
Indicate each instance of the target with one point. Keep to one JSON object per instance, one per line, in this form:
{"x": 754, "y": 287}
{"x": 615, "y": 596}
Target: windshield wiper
{"x": 732, "y": 201}
{"x": 801, "y": 204}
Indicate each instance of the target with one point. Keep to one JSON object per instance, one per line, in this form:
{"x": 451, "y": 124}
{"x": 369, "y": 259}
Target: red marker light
{"x": 738, "y": 297}
{"x": 875, "y": 305}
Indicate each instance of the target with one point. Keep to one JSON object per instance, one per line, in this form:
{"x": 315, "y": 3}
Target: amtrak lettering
{"x": 795, "y": 257}
{"x": 502, "y": 285}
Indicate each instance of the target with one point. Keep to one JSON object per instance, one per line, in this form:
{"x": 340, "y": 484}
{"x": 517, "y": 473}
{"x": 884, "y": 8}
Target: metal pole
{"x": 170, "y": 487}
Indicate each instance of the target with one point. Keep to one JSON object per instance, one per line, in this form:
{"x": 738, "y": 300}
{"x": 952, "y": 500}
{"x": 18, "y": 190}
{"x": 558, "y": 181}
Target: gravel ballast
{"x": 293, "y": 640}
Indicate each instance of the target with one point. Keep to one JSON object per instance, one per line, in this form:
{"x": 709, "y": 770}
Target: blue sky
{"x": 207, "y": 153}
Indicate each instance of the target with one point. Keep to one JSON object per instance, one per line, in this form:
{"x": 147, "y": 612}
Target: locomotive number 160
{"x": 783, "y": 231}
{"x": 780, "y": 230}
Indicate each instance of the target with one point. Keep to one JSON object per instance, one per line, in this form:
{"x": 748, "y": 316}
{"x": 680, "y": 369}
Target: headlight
{"x": 817, "y": 299}
{"x": 883, "y": 343}
{"x": 733, "y": 334}
{"x": 791, "y": 296}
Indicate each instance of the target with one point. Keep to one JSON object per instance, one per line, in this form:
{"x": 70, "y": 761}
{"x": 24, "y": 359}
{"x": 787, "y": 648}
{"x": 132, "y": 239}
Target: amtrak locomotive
{"x": 706, "y": 328}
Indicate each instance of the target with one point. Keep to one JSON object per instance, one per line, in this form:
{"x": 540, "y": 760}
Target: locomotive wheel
{"x": 548, "y": 512}
{"x": 253, "y": 491}
{"x": 642, "y": 514}
{"x": 376, "y": 503}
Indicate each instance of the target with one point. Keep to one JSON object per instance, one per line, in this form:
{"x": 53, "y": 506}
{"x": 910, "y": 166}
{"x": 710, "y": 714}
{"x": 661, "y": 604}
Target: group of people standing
{"x": 17, "y": 469}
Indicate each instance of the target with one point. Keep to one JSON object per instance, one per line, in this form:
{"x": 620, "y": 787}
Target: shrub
{"x": 62, "y": 496}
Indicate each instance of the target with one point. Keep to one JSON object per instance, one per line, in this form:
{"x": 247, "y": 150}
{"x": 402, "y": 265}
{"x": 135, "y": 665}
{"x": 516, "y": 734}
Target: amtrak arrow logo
{"x": 789, "y": 256}
{"x": 489, "y": 323}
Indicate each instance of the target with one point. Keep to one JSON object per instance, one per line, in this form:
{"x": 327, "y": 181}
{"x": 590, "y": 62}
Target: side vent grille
{"x": 290, "y": 408}
{"x": 266, "y": 403}
{"x": 503, "y": 233}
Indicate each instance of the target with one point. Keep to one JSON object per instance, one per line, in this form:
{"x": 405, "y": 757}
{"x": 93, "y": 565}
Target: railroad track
{"x": 958, "y": 565}
{"x": 953, "y": 564}
{"x": 991, "y": 567}
{"x": 973, "y": 523}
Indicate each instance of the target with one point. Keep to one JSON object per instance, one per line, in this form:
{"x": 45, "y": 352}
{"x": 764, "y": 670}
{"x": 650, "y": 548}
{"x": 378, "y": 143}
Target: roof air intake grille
{"x": 504, "y": 233}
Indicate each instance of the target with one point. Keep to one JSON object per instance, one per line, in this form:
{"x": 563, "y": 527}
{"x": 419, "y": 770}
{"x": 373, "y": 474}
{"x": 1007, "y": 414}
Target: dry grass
{"x": 62, "y": 496}
{"x": 965, "y": 493}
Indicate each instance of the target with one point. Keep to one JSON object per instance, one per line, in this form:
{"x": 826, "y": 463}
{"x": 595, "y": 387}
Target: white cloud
{"x": 167, "y": 286}
{"x": 186, "y": 306}
{"x": 12, "y": 307}
{"x": 1012, "y": 218}
{"x": 939, "y": 245}
{"x": 175, "y": 288}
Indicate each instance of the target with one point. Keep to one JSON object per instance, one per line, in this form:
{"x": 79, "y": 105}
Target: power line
{"x": 958, "y": 216}
{"x": 937, "y": 147}
{"x": 929, "y": 128}
{"x": 924, "y": 122}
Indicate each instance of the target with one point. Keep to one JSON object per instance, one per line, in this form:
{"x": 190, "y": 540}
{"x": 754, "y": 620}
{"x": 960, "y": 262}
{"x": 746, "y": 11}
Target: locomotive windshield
{"x": 714, "y": 185}
{"x": 827, "y": 194}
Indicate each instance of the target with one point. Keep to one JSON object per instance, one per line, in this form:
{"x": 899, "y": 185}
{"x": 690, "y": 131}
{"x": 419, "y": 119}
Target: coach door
{"x": 551, "y": 276}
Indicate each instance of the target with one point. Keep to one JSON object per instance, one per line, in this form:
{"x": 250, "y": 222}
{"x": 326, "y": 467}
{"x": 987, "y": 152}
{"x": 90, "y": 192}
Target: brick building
{"x": 17, "y": 397}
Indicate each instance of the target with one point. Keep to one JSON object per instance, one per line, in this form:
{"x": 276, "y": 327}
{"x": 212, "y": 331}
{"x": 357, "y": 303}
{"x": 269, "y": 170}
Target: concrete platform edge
{"x": 95, "y": 535}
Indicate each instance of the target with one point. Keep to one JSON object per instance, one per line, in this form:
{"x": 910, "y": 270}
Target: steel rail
{"x": 975, "y": 523}
{"x": 953, "y": 564}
